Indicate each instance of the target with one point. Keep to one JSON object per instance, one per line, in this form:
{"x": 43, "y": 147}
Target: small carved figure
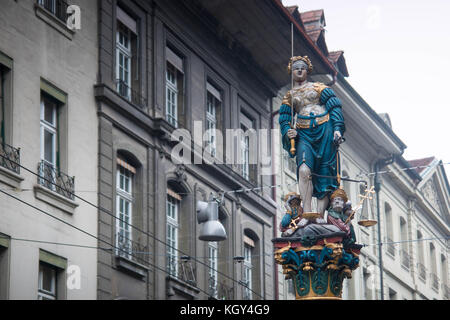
{"x": 338, "y": 215}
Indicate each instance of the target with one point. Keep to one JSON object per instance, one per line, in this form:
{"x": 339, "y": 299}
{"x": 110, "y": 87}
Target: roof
{"x": 293, "y": 10}
{"x": 335, "y": 55}
{"x": 312, "y": 16}
{"x": 421, "y": 163}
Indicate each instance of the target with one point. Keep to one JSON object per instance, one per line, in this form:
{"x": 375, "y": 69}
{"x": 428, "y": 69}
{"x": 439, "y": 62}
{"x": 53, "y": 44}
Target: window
{"x": 247, "y": 272}
{"x": 213, "y": 109}
{"x": 2, "y": 104}
{"x": 404, "y": 246}
{"x": 174, "y": 89}
{"x": 367, "y": 284}
{"x": 172, "y": 228}
{"x": 389, "y": 229}
{"x": 124, "y": 209}
{"x": 49, "y": 142}
{"x": 57, "y": 7}
{"x": 246, "y": 124}
{"x": 392, "y": 294}
{"x": 53, "y": 141}
{"x": 127, "y": 80}
{"x": 213, "y": 265}
{"x": 51, "y": 277}
{"x": 49, "y": 131}
{"x": 4, "y": 266}
{"x": 47, "y": 282}
{"x": 434, "y": 277}
{"x": 420, "y": 257}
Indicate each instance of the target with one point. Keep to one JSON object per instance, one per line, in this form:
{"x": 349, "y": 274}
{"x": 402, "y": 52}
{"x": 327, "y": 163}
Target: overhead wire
{"x": 97, "y": 238}
{"x": 221, "y": 191}
{"x": 128, "y": 224}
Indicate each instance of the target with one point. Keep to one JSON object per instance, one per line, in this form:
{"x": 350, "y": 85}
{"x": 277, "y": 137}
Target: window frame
{"x": 247, "y": 272}
{"x": 52, "y": 128}
{"x": 213, "y": 250}
{"x": 128, "y": 199}
{"x": 172, "y": 233}
{"x": 173, "y": 92}
{"x": 127, "y": 54}
{"x": 45, "y": 294}
{"x": 212, "y": 115}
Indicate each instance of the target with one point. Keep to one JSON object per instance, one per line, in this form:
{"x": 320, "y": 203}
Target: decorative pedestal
{"x": 316, "y": 266}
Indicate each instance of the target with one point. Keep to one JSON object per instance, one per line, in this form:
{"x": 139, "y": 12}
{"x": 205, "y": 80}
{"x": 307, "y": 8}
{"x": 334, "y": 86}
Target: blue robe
{"x": 315, "y": 146}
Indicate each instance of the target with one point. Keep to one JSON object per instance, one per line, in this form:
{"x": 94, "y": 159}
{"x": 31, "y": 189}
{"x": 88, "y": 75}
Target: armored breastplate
{"x": 306, "y": 100}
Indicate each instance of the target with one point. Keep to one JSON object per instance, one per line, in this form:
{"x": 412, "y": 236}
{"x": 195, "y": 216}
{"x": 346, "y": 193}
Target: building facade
{"x": 47, "y": 155}
{"x": 171, "y": 69}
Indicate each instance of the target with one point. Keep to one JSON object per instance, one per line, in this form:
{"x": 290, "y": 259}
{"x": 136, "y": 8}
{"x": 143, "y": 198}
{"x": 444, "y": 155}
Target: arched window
{"x": 420, "y": 256}
{"x": 217, "y": 287}
{"x": 404, "y": 245}
{"x": 173, "y": 201}
{"x": 389, "y": 229}
{"x": 127, "y": 206}
{"x": 444, "y": 276}
{"x": 434, "y": 277}
{"x": 179, "y": 236}
{"x": 251, "y": 272}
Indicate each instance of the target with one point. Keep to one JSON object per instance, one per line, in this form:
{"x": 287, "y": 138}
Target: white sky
{"x": 398, "y": 57}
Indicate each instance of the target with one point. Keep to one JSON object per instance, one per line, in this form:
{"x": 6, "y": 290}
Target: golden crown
{"x": 304, "y": 58}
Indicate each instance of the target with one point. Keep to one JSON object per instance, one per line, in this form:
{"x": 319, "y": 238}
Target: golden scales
{"x": 366, "y": 222}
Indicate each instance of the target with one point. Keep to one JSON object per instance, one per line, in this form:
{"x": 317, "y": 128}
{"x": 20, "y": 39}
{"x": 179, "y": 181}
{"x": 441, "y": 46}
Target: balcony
{"x": 58, "y": 8}
{"x": 422, "y": 271}
{"x": 53, "y": 179}
{"x": 406, "y": 259}
{"x": 182, "y": 269}
{"x": 225, "y": 292}
{"x": 131, "y": 250}
{"x": 10, "y": 158}
{"x": 129, "y": 94}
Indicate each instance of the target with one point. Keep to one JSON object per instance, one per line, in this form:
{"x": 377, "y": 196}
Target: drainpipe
{"x": 378, "y": 165}
{"x": 274, "y": 197}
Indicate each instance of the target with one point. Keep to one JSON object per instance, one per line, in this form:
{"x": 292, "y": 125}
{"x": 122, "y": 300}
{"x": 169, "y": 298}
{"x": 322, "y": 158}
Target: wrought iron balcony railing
{"x": 213, "y": 287}
{"x": 131, "y": 95}
{"x": 422, "y": 271}
{"x": 182, "y": 269}
{"x": 57, "y": 7}
{"x": 10, "y": 158}
{"x": 52, "y": 178}
{"x": 225, "y": 292}
{"x": 131, "y": 250}
{"x": 434, "y": 281}
{"x": 405, "y": 259}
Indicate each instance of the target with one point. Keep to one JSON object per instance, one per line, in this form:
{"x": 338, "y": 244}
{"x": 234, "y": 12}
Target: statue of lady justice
{"x": 313, "y": 138}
